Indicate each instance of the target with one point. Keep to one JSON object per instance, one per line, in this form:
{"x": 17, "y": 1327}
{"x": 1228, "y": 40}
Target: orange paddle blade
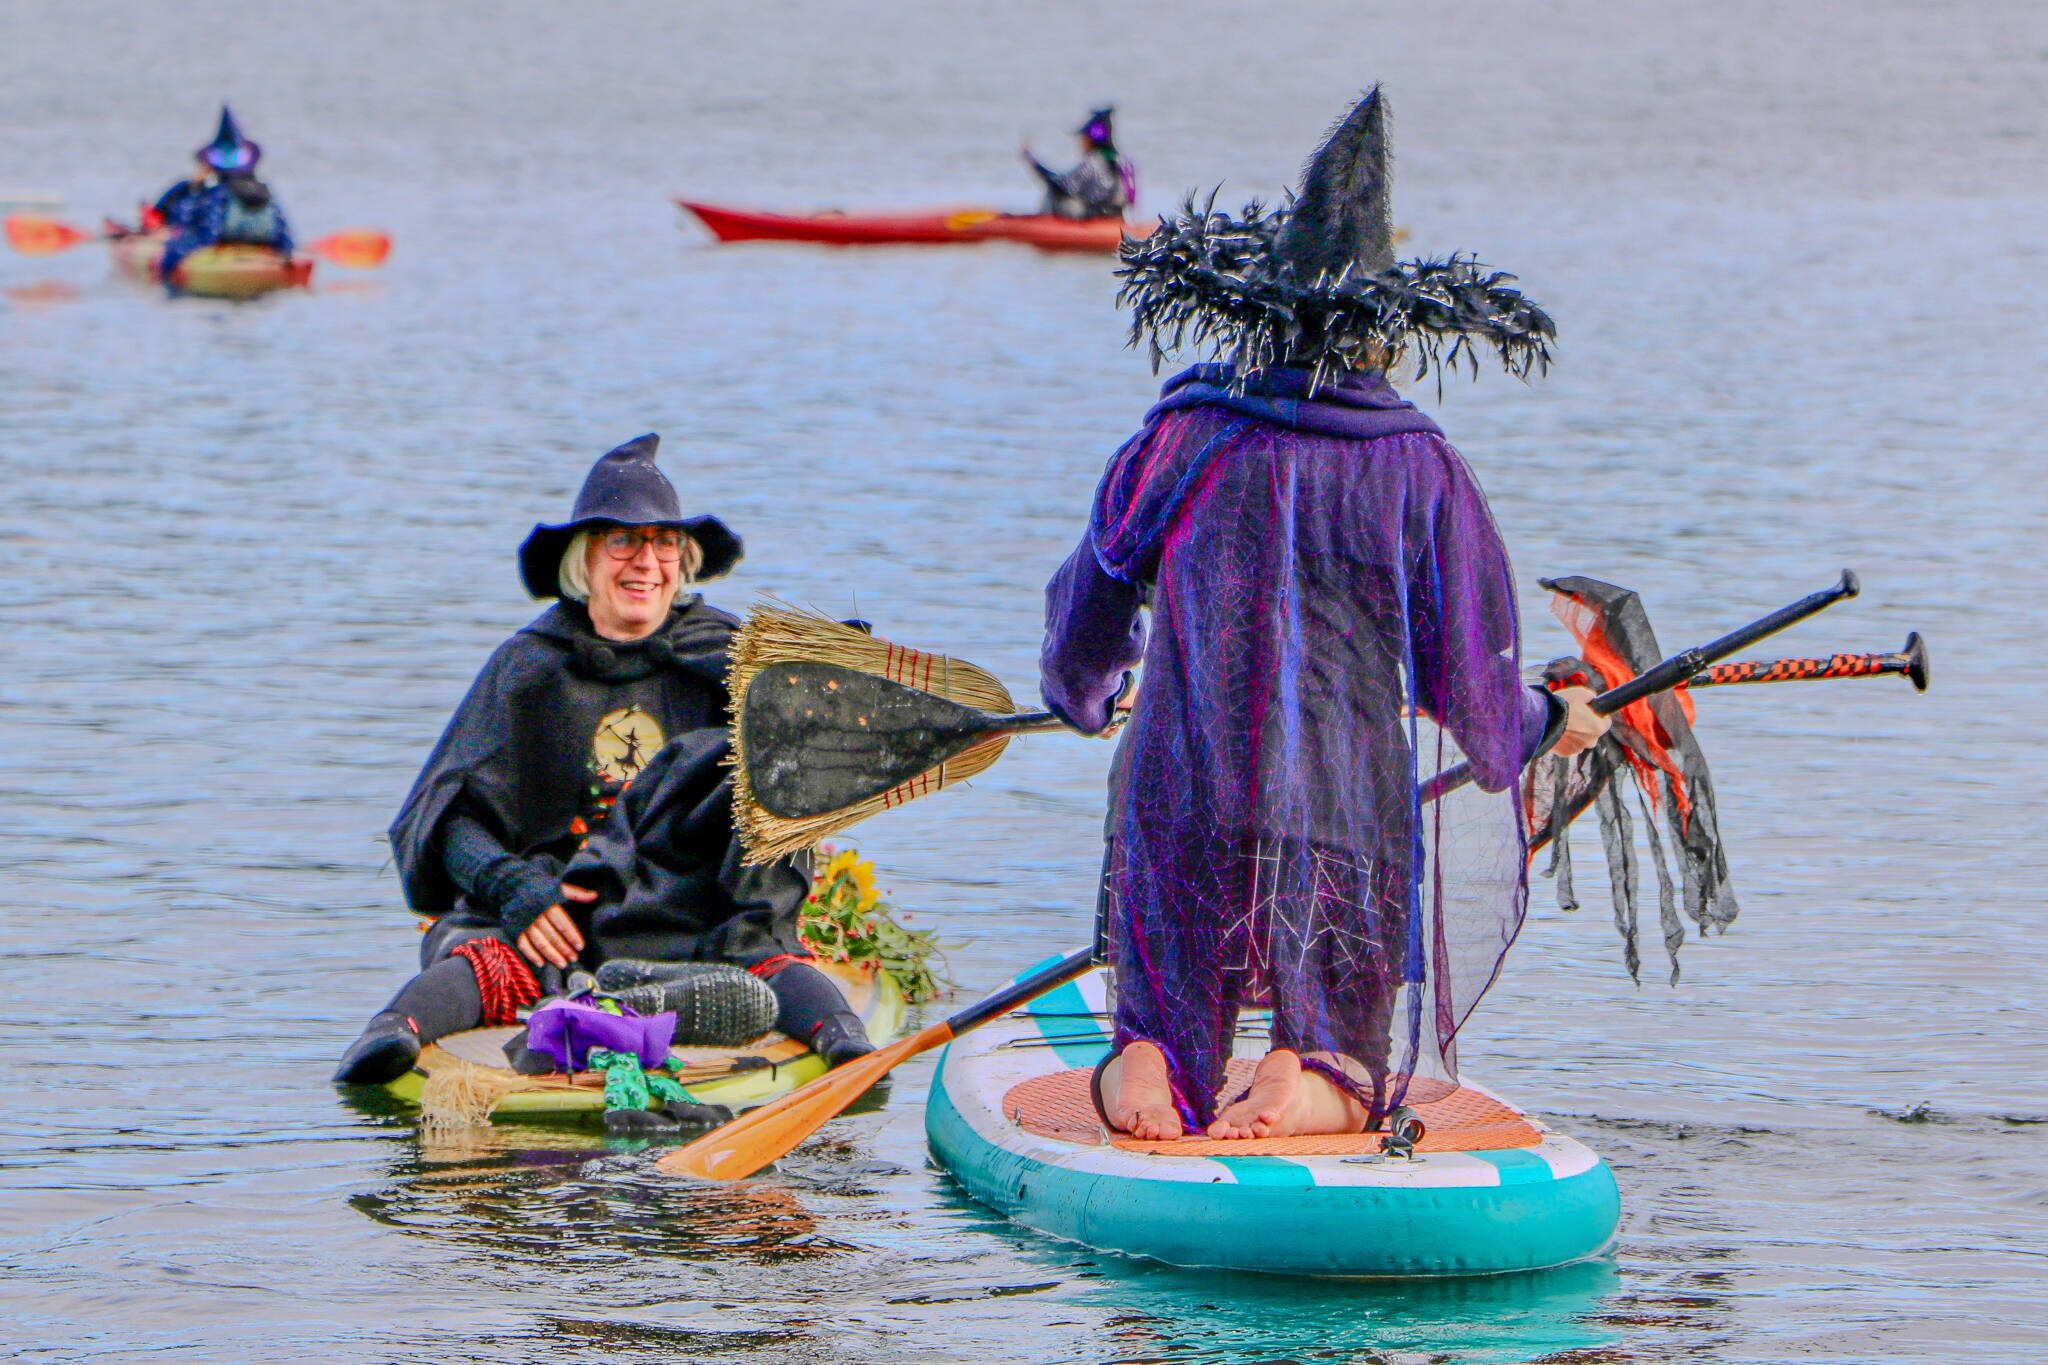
{"x": 33, "y": 235}
{"x": 754, "y": 1140}
{"x": 357, "y": 248}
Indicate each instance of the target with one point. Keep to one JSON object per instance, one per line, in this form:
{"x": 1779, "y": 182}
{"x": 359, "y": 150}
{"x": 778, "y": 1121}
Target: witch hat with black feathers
{"x": 1343, "y": 219}
{"x": 1315, "y": 286}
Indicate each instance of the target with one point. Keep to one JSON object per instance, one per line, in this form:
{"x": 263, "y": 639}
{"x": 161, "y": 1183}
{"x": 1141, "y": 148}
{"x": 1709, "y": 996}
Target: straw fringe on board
{"x": 778, "y": 633}
{"x": 461, "y": 1094}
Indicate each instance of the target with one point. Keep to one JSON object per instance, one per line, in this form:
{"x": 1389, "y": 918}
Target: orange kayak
{"x": 232, "y": 270}
{"x": 920, "y": 227}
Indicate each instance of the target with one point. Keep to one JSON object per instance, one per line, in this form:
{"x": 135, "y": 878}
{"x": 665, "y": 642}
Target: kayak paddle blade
{"x": 756, "y": 1139}
{"x": 33, "y": 235}
{"x": 357, "y": 248}
{"x": 759, "y": 1138}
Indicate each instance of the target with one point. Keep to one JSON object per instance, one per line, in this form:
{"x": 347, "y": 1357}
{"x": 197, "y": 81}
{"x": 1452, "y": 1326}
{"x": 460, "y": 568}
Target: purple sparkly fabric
{"x": 566, "y": 1031}
{"x": 1332, "y": 619}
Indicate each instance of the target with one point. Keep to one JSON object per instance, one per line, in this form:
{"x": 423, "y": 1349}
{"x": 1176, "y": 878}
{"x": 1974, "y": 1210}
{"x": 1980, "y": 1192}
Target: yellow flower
{"x": 864, "y": 883}
{"x": 842, "y": 862}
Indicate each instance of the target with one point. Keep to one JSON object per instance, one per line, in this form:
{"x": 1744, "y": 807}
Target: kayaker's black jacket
{"x": 558, "y": 720}
{"x": 1096, "y": 188}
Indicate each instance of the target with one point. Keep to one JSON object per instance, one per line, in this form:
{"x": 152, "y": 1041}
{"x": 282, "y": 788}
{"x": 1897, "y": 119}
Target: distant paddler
{"x": 1332, "y": 620}
{"x": 1103, "y": 185}
{"x": 577, "y": 813}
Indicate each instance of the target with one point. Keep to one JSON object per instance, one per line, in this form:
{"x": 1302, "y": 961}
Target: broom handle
{"x": 1025, "y": 723}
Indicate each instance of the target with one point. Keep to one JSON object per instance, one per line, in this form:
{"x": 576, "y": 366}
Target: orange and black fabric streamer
{"x": 1652, "y": 740}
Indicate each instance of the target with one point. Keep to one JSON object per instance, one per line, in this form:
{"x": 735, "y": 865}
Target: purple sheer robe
{"x": 1332, "y": 620}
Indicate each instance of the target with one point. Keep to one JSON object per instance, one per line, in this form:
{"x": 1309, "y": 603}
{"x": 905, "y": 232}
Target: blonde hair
{"x": 573, "y": 577}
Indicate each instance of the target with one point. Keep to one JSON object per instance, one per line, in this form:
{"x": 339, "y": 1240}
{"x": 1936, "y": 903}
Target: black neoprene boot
{"x": 386, "y": 1050}
{"x": 441, "y": 1000}
{"x": 715, "y": 1004}
{"x": 638, "y": 1123}
{"x": 841, "y": 1038}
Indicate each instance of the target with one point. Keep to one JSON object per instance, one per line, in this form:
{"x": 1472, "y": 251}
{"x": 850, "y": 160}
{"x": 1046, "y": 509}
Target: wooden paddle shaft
{"x": 756, "y": 1139}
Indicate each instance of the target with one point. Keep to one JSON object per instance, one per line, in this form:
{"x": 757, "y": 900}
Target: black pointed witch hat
{"x": 624, "y": 488}
{"x": 1314, "y": 285}
{"x": 230, "y": 153}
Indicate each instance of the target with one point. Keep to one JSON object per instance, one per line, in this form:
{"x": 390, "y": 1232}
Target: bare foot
{"x": 1264, "y": 1108}
{"x": 1286, "y": 1101}
{"x": 1141, "y": 1095}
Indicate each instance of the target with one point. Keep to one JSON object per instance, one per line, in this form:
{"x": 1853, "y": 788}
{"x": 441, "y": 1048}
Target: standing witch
{"x": 1332, "y": 620}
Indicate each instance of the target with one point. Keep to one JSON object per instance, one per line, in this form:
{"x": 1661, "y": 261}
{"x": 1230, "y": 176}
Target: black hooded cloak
{"x": 557, "y": 722}
{"x": 670, "y": 873}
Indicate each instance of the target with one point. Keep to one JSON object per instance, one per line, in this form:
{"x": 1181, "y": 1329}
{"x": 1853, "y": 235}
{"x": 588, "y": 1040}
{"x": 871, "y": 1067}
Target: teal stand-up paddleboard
{"x": 1490, "y": 1189}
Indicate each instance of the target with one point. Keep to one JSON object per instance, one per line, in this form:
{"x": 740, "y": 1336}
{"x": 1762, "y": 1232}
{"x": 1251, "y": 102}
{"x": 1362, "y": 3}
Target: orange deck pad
{"x": 1058, "y": 1107}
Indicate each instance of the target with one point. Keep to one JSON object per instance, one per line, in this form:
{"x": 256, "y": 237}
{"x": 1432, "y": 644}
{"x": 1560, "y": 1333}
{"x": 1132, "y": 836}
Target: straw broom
{"x": 777, "y": 633}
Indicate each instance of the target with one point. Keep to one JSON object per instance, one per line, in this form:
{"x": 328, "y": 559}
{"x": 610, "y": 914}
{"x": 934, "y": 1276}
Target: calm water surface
{"x": 252, "y": 556}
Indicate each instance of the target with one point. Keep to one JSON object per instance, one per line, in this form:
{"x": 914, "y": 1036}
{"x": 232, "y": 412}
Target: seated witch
{"x": 1103, "y": 184}
{"x": 620, "y": 684}
{"x": 222, "y": 202}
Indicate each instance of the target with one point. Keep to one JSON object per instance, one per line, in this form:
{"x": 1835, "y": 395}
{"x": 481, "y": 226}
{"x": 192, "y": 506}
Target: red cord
{"x": 502, "y": 978}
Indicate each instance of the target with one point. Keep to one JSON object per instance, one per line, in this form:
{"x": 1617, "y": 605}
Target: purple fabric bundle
{"x": 1332, "y": 619}
{"x": 566, "y": 1030}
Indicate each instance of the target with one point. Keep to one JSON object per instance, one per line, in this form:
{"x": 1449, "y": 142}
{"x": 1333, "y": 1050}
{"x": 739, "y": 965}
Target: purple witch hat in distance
{"x": 1314, "y": 285}
{"x": 624, "y": 488}
{"x": 230, "y": 153}
{"x": 1098, "y": 127}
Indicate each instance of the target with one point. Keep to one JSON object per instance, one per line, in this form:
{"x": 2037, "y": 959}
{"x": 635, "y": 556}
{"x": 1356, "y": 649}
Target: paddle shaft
{"x": 36, "y": 235}
{"x": 1910, "y": 662}
{"x": 756, "y": 1139}
{"x": 1677, "y": 669}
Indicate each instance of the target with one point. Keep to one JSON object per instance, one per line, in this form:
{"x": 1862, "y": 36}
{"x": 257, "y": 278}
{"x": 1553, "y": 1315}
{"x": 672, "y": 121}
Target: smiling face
{"x": 635, "y": 573}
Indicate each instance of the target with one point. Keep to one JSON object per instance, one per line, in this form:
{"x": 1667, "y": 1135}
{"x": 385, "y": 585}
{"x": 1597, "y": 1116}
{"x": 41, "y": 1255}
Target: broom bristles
{"x": 777, "y": 633}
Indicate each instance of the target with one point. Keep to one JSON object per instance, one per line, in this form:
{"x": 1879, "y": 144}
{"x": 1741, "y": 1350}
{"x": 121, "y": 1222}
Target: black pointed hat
{"x": 1314, "y": 285}
{"x": 624, "y": 489}
{"x": 230, "y": 153}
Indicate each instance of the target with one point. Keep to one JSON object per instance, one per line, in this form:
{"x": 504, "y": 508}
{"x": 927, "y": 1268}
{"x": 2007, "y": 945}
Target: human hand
{"x": 554, "y": 939}
{"x": 1583, "y": 726}
{"x": 1120, "y": 707}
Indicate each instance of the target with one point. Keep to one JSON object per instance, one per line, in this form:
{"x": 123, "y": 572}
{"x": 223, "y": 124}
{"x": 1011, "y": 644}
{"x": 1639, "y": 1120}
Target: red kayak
{"x": 924, "y": 227}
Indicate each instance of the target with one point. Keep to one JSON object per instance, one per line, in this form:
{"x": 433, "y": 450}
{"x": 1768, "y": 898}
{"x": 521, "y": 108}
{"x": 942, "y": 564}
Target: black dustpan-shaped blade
{"x": 817, "y": 738}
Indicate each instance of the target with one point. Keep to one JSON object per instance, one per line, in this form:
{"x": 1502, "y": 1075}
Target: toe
{"x": 1162, "y": 1126}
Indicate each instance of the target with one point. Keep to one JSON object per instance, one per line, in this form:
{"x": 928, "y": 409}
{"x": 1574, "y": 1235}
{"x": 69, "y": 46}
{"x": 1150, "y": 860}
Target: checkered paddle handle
{"x": 1909, "y": 661}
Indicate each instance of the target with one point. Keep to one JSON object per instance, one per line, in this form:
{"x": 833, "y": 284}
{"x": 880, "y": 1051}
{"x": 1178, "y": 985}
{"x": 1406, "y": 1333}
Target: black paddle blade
{"x": 817, "y": 738}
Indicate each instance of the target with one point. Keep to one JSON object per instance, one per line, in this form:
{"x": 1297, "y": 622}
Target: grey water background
{"x": 253, "y": 554}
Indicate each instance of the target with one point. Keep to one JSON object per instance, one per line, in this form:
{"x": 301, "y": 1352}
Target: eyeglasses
{"x": 623, "y": 544}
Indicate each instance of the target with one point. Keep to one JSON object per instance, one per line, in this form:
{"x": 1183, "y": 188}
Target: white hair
{"x": 573, "y": 577}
